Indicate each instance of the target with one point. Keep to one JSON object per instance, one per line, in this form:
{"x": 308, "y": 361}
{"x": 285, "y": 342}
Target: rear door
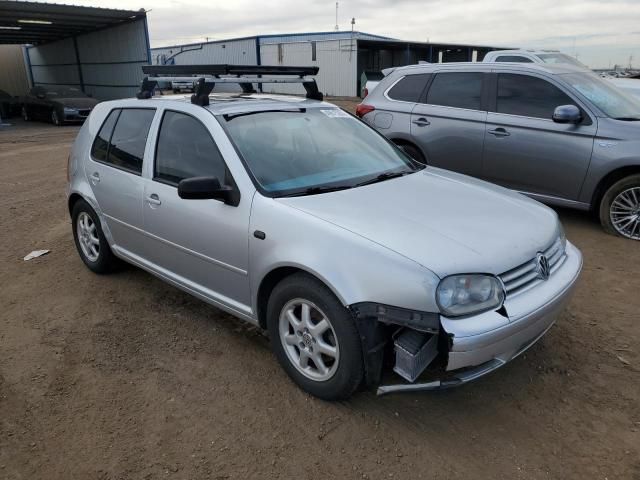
{"x": 449, "y": 122}
{"x": 115, "y": 170}
{"x": 201, "y": 244}
{"x": 525, "y": 149}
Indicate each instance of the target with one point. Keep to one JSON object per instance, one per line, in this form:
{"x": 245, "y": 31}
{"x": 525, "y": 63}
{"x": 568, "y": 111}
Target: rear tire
{"x": 413, "y": 152}
{"x": 319, "y": 350}
{"x": 90, "y": 241}
{"x": 620, "y": 208}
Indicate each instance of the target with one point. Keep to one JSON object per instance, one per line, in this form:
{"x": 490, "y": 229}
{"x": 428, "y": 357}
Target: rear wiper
{"x": 628, "y": 119}
{"x": 382, "y": 177}
{"x": 231, "y": 116}
{"x": 316, "y": 190}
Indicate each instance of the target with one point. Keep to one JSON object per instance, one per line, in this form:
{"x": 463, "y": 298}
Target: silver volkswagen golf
{"x": 366, "y": 268}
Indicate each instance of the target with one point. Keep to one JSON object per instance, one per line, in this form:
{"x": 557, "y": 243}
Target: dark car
{"x": 57, "y": 105}
{"x": 9, "y": 106}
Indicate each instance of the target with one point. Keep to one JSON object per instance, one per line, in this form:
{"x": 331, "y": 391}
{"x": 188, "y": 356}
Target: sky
{"x": 601, "y": 33}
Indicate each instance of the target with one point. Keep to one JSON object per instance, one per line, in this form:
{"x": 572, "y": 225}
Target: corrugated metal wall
{"x": 109, "y": 61}
{"x": 13, "y": 76}
{"x": 337, "y": 60}
{"x": 234, "y": 52}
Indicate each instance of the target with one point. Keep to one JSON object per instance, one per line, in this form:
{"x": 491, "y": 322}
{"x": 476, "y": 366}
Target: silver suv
{"x": 557, "y": 133}
{"x": 297, "y": 217}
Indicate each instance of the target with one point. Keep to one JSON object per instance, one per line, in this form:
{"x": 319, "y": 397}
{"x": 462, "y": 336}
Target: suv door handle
{"x": 95, "y": 178}
{"x": 153, "y": 199}
{"x": 499, "y": 132}
{"x": 421, "y": 122}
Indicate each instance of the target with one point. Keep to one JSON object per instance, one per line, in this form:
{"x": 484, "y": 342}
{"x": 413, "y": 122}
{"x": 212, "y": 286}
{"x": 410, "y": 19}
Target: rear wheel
{"x": 314, "y": 338}
{"x": 413, "y": 152}
{"x": 90, "y": 241}
{"x": 620, "y": 208}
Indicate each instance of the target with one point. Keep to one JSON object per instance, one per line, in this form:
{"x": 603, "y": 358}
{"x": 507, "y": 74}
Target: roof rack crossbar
{"x": 207, "y": 76}
{"x": 225, "y": 69}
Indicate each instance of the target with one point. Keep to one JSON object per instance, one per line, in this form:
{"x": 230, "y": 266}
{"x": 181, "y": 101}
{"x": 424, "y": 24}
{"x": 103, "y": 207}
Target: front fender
{"x": 355, "y": 268}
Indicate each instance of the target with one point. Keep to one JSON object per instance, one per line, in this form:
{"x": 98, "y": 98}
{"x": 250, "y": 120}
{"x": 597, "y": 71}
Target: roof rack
{"x": 206, "y": 76}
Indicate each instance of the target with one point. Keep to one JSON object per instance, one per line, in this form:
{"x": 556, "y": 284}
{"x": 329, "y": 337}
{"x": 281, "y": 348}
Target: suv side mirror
{"x": 567, "y": 114}
{"x": 204, "y": 188}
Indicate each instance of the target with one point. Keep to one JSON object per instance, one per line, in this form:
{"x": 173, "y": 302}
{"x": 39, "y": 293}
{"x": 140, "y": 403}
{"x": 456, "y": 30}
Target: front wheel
{"x": 55, "y": 118}
{"x": 620, "y": 208}
{"x": 314, "y": 338}
{"x": 25, "y": 114}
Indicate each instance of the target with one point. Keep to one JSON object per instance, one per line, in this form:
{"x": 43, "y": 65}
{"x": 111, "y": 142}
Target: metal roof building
{"x": 98, "y": 50}
{"x": 341, "y": 55}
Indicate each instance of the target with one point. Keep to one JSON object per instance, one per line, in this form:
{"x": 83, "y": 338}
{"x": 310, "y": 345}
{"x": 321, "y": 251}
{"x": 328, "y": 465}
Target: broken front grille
{"x": 527, "y": 275}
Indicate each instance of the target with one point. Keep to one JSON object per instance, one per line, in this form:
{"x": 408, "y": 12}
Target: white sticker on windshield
{"x": 336, "y": 113}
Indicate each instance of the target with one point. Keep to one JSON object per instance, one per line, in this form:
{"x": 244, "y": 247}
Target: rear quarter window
{"x": 409, "y": 88}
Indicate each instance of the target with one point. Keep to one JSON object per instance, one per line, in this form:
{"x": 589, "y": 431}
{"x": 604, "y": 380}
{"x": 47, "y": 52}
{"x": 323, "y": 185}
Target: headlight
{"x": 459, "y": 295}
{"x": 70, "y": 111}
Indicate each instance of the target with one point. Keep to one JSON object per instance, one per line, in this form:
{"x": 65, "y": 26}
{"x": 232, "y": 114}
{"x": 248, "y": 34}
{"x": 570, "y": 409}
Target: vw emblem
{"x": 542, "y": 266}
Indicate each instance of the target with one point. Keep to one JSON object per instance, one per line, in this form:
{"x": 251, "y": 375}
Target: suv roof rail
{"x": 206, "y": 76}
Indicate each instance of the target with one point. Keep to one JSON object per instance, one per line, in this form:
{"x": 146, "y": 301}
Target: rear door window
{"x": 129, "y": 138}
{"x": 409, "y": 88}
{"x": 528, "y": 96}
{"x": 185, "y": 149}
{"x": 456, "y": 89}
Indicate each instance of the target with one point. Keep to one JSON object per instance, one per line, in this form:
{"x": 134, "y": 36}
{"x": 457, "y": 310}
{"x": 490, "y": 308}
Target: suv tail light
{"x": 362, "y": 109}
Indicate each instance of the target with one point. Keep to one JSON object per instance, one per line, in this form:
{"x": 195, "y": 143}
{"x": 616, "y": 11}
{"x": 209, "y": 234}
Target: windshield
{"x": 64, "y": 92}
{"x": 306, "y": 151}
{"x": 614, "y": 102}
{"x": 560, "y": 58}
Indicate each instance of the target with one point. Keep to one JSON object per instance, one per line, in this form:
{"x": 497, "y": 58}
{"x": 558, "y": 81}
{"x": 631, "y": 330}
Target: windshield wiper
{"x": 382, "y": 177}
{"x": 316, "y": 190}
{"x": 628, "y": 119}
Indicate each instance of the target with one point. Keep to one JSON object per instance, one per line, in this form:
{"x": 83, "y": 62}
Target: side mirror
{"x": 567, "y": 114}
{"x": 204, "y": 188}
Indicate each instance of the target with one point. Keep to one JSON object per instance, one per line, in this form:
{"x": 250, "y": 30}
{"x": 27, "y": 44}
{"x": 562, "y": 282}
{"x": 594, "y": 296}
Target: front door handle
{"x": 421, "y": 122}
{"x": 153, "y": 199}
{"x": 95, "y": 178}
{"x": 499, "y": 132}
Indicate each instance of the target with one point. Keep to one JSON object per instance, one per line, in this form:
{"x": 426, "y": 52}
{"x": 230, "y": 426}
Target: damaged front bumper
{"x": 483, "y": 343}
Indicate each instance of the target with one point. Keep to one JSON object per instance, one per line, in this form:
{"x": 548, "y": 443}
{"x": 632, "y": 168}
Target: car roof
{"x": 550, "y": 68}
{"x": 227, "y": 103}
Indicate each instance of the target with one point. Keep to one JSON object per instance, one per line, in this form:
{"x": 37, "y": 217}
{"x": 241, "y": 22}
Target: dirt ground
{"x": 125, "y": 377}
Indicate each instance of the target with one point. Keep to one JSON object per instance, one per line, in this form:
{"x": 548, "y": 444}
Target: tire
{"x": 104, "y": 261}
{"x": 337, "y": 375}
{"x": 55, "y": 118}
{"x": 413, "y": 152}
{"x": 25, "y": 114}
{"x": 176, "y": 90}
{"x": 620, "y": 208}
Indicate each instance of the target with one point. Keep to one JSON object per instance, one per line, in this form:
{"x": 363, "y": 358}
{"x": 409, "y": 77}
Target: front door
{"x": 201, "y": 244}
{"x": 525, "y": 149}
{"x": 449, "y": 124}
{"x": 114, "y": 173}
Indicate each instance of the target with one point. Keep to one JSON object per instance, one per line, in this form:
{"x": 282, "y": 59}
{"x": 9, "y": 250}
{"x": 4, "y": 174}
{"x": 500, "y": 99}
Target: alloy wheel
{"x": 88, "y": 237}
{"x": 625, "y": 213}
{"x": 309, "y": 340}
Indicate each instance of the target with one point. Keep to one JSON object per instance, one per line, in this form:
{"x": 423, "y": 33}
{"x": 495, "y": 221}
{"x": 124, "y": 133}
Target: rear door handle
{"x": 95, "y": 178}
{"x": 499, "y": 132}
{"x": 153, "y": 199}
{"x": 421, "y": 122}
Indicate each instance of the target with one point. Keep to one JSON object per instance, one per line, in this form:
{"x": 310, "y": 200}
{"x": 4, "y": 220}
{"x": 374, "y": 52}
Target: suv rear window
{"x": 513, "y": 58}
{"x": 528, "y": 96}
{"x": 456, "y": 89}
{"x": 409, "y": 88}
{"x": 122, "y": 138}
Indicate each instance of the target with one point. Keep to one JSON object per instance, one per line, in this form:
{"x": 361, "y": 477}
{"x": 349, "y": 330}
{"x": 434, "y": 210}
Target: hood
{"x": 82, "y": 102}
{"x": 446, "y": 222}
